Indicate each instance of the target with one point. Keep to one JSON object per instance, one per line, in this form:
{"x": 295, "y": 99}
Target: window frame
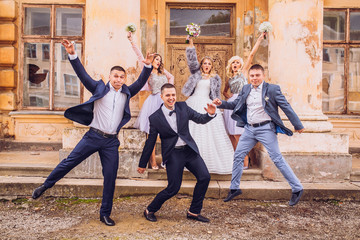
{"x": 51, "y": 39}
{"x": 201, "y": 6}
{"x": 346, "y": 44}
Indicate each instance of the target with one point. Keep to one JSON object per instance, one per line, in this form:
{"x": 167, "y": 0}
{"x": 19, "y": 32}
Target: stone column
{"x": 106, "y": 45}
{"x": 295, "y": 63}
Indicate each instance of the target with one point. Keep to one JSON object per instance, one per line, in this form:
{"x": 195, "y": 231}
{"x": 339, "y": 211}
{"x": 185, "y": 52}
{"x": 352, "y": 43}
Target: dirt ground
{"x": 58, "y": 218}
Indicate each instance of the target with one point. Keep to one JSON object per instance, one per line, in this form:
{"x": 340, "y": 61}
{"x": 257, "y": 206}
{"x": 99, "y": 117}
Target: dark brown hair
{"x": 167, "y": 85}
{"x": 257, "y": 67}
{"x": 118, "y": 68}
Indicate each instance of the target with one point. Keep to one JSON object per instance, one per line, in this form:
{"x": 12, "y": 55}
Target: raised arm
{"x": 89, "y": 83}
{"x": 144, "y": 76}
{"x": 248, "y": 62}
{"x": 200, "y": 118}
{"x": 191, "y": 56}
{"x": 169, "y": 76}
{"x": 136, "y": 49}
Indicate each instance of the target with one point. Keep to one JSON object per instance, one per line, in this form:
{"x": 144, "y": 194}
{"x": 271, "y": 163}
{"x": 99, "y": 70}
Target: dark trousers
{"x": 109, "y": 155}
{"x": 174, "y": 169}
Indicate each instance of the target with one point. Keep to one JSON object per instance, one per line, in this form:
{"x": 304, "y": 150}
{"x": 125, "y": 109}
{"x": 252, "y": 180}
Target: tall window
{"x": 341, "y": 61}
{"x": 47, "y": 79}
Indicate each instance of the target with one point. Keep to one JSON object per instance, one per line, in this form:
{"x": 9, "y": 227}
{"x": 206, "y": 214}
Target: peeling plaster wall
{"x": 295, "y": 52}
{"x": 106, "y": 44}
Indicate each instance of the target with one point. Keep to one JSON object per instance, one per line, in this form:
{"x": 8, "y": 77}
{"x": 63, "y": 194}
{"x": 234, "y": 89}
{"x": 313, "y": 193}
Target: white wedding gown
{"x": 211, "y": 138}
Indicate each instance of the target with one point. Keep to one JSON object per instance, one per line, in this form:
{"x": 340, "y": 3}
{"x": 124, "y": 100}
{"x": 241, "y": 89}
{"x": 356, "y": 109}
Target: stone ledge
{"x": 254, "y": 190}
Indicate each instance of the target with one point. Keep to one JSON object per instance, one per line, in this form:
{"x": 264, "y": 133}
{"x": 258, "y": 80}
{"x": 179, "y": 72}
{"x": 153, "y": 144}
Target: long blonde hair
{"x": 212, "y": 72}
{"x": 229, "y": 71}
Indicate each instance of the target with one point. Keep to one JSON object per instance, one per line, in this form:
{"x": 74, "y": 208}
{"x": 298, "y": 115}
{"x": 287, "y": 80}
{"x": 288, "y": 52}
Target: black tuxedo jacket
{"x": 159, "y": 125}
{"x": 83, "y": 113}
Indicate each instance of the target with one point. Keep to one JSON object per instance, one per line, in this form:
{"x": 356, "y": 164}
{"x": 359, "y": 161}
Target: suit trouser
{"x": 174, "y": 168}
{"x": 267, "y": 136}
{"x": 109, "y": 155}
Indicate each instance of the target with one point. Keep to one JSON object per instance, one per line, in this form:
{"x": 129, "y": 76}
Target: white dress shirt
{"x": 255, "y": 109}
{"x": 108, "y": 110}
{"x": 172, "y": 122}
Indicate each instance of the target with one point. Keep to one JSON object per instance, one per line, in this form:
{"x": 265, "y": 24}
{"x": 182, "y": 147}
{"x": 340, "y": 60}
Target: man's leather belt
{"x": 103, "y": 134}
{"x": 180, "y": 147}
{"x": 260, "y": 124}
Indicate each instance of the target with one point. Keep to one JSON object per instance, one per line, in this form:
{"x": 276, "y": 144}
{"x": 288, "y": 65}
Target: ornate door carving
{"x": 176, "y": 59}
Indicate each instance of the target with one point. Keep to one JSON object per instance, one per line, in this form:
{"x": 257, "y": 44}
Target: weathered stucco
{"x": 295, "y": 52}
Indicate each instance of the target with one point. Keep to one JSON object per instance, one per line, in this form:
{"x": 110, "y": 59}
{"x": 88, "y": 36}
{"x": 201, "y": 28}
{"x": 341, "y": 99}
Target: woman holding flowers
{"x": 203, "y": 86}
{"x": 158, "y": 77}
{"x": 237, "y": 72}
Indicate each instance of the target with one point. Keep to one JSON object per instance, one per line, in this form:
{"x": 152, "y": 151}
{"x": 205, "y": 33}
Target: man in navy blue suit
{"x": 256, "y": 109}
{"x": 179, "y": 150}
{"x": 105, "y": 112}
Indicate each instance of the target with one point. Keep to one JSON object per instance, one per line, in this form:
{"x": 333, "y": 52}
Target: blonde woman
{"x": 237, "y": 72}
{"x": 211, "y": 138}
{"x": 159, "y": 76}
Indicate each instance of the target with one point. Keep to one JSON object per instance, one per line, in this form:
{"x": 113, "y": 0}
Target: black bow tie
{"x": 171, "y": 112}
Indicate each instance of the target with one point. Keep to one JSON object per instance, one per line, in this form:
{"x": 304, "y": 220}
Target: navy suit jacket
{"x": 272, "y": 99}
{"x": 83, "y": 113}
{"x": 159, "y": 125}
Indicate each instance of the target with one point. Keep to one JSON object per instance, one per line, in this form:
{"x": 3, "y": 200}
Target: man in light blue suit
{"x": 256, "y": 109}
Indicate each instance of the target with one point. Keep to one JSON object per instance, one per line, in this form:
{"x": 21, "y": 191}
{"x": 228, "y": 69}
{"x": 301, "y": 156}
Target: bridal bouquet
{"x": 130, "y": 27}
{"x": 193, "y": 30}
{"x": 265, "y": 27}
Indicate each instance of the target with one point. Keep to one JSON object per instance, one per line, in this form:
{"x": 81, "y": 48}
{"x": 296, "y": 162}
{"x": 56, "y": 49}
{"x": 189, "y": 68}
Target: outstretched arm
{"x": 191, "y": 56}
{"x": 202, "y": 118}
{"x": 89, "y": 83}
{"x": 248, "y": 62}
{"x": 224, "y": 104}
{"x": 140, "y": 82}
{"x": 136, "y": 49}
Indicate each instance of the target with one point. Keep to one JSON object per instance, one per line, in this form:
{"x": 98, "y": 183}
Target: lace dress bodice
{"x": 156, "y": 82}
{"x": 237, "y": 82}
{"x": 202, "y": 88}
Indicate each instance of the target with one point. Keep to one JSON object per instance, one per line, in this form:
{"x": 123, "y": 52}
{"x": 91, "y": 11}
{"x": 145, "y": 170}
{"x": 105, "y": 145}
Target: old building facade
{"x": 313, "y": 52}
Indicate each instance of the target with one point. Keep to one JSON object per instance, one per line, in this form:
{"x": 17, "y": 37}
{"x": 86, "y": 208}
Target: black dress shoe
{"x": 150, "y": 216}
{"x": 232, "y": 194}
{"x": 107, "y": 220}
{"x": 198, "y": 217}
{"x": 295, "y": 197}
{"x": 38, "y": 191}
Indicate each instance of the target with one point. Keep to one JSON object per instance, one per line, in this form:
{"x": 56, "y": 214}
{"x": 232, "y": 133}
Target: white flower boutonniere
{"x": 266, "y": 98}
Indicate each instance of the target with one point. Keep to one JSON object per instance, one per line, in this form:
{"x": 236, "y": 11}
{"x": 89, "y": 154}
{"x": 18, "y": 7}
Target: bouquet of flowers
{"x": 193, "y": 30}
{"x": 265, "y": 27}
{"x": 130, "y": 27}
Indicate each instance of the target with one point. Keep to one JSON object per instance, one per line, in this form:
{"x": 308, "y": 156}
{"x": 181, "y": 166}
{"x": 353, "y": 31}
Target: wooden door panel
{"x": 176, "y": 59}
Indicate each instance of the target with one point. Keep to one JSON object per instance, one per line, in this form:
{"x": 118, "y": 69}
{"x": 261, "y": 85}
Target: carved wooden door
{"x": 176, "y": 59}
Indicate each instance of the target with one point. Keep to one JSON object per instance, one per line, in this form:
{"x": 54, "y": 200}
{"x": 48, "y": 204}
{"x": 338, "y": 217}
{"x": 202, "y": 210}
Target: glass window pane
{"x": 68, "y": 22}
{"x": 334, "y": 25}
{"x": 37, "y": 21}
{"x": 333, "y": 80}
{"x": 354, "y": 80}
{"x": 355, "y": 26}
{"x": 213, "y": 22}
{"x": 36, "y": 79}
{"x": 67, "y": 84}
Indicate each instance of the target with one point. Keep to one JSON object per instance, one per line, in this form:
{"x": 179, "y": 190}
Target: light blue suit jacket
{"x": 272, "y": 99}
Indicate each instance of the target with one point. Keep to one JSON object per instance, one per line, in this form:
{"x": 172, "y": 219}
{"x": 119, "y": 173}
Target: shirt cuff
{"x": 212, "y": 115}
{"x": 147, "y": 66}
{"x": 73, "y": 56}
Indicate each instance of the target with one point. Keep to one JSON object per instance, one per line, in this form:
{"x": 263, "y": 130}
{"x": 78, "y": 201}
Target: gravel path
{"x": 56, "y": 218}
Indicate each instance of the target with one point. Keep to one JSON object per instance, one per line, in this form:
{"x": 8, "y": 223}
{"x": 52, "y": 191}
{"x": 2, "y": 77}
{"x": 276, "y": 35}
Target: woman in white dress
{"x": 211, "y": 138}
{"x": 237, "y": 72}
{"x": 159, "y": 76}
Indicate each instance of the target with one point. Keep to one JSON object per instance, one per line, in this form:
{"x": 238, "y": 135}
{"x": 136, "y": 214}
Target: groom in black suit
{"x": 179, "y": 150}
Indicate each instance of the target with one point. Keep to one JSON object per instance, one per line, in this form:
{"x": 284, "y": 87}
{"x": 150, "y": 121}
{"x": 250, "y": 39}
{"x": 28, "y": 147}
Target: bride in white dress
{"x": 211, "y": 138}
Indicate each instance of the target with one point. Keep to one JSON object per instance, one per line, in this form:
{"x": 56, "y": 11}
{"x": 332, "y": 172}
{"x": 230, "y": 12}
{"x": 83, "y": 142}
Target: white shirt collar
{"x": 259, "y": 87}
{"x": 113, "y": 89}
{"x": 166, "y": 110}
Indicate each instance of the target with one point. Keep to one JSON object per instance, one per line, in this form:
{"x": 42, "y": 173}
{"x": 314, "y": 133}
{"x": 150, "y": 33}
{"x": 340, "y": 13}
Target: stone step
{"x": 11, "y": 145}
{"x": 355, "y": 175}
{"x": 248, "y": 175}
{"x": 26, "y": 170}
{"x": 13, "y": 187}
